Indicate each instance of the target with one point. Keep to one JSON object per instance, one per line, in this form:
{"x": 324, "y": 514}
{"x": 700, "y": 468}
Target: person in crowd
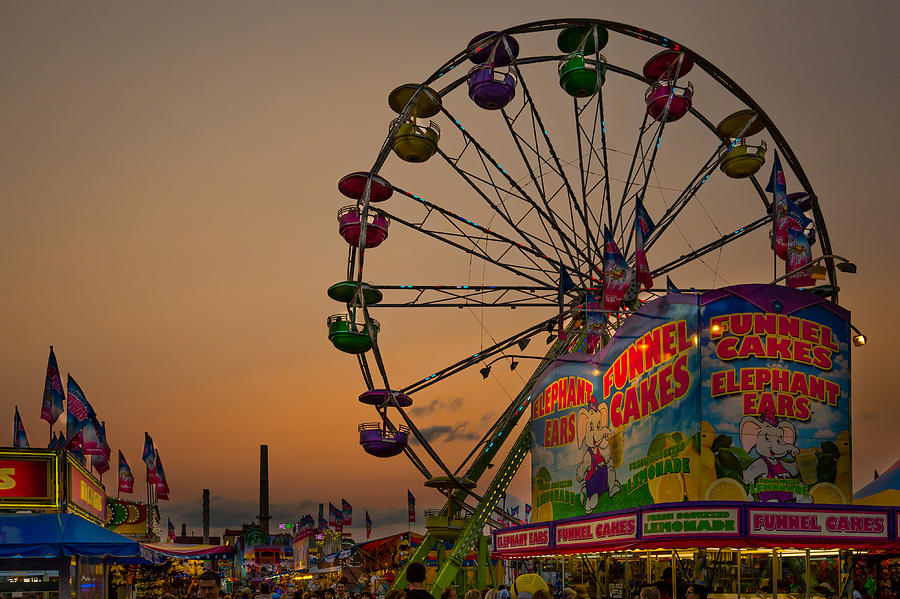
{"x": 265, "y": 591}
{"x": 697, "y": 591}
{"x": 540, "y": 594}
{"x": 340, "y": 589}
{"x": 208, "y": 585}
{"x": 328, "y": 593}
{"x": 395, "y": 594}
{"x": 473, "y": 594}
{"x": 449, "y": 593}
{"x": 503, "y": 592}
{"x": 569, "y": 593}
{"x": 649, "y": 593}
{"x": 415, "y": 576}
{"x": 665, "y": 584}
{"x": 491, "y": 593}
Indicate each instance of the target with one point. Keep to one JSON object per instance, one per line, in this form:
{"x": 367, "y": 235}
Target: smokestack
{"x": 264, "y": 487}
{"x": 321, "y": 514}
{"x": 206, "y": 516}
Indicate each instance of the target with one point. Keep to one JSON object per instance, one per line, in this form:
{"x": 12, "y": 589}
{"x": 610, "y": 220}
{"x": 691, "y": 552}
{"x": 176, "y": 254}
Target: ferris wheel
{"x": 541, "y": 151}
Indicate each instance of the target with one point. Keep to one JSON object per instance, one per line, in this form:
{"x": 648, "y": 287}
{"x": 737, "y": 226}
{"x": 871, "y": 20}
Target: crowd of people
{"x": 208, "y": 586}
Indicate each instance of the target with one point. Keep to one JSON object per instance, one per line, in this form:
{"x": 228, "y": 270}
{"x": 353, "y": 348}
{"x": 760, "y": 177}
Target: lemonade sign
{"x": 737, "y": 394}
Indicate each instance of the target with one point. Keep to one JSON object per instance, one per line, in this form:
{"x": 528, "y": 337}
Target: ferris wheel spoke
{"x": 457, "y": 221}
{"x": 689, "y": 192}
{"x": 713, "y": 245}
{"x": 477, "y": 357}
{"x": 472, "y": 296}
{"x": 585, "y": 168}
{"x": 567, "y": 245}
{"x": 573, "y": 202}
{"x": 441, "y": 236}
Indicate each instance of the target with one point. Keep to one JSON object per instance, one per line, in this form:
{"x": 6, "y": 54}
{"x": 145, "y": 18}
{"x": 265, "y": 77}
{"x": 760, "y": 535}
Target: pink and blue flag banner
{"x": 514, "y": 512}
{"x": 52, "y": 405}
{"x": 58, "y": 441}
{"x": 20, "y": 439}
{"x": 332, "y": 515}
{"x": 126, "y": 478}
{"x": 100, "y": 462}
{"x": 411, "y": 505}
{"x": 670, "y": 286}
{"x": 149, "y": 458}
{"x": 368, "y": 525}
{"x": 527, "y": 512}
{"x": 162, "y": 485}
{"x": 641, "y": 267}
{"x": 78, "y": 413}
{"x": 347, "y": 509}
{"x": 616, "y": 273}
{"x": 788, "y": 215}
{"x": 171, "y": 531}
{"x": 642, "y": 217}
{"x": 799, "y": 256}
{"x": 596, "y": 321}
{"x": 91, "y": 444}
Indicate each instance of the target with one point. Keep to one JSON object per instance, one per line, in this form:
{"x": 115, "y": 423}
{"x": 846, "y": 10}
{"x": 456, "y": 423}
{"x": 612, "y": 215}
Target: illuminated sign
{"x": 29, "y": 479}
{"x": 515, "y": 540}
{"x": 86, "y": 496}
{"x": 827, "y": 524}
{"x": 706, "y": 522}
{"x": 591, "y": 531}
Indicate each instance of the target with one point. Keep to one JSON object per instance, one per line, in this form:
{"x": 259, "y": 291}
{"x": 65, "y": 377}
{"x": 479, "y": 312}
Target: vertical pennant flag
{"x": 171, "y": 533}
{"x": 162, "y": 485}
{"x": 527, "y": 513}
{"x": 595, "y": 323}
{"x": 78, "y": 413}
{"x": 778, "y": 188}
{"x": 53, "y": 441}
{"x": 799, "y": 255}
{"x": 149, "y": 458}
{"x": 515, "y": 514}
{"x": 642, "y": 217}
{"x": 332, "y": 515}
{"x": 411, "y": 505}
{"x": 616, "y": 273}
{"x": 347, "y": 510}
{"x": 52, "y": 405}
{"x": 20, "y": 439}
{"x": 100, "y": 461}
{"x": 641, "y": 268}
{"x": 91, "y": 444}
{"x": 670, "y": 286}
{"x": 60, "y": 441}
{"x": 368, "y": 525}
{"x": 126, "y": 478}
{"x": 565, "y": 285}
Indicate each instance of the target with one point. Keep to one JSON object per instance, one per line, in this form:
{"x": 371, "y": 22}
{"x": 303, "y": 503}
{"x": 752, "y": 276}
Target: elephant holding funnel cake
{"x": 596, "y": 472}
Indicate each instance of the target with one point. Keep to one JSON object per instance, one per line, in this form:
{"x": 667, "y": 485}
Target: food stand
{"x": 711, "y": 435}
{"x": 59, "y": 549}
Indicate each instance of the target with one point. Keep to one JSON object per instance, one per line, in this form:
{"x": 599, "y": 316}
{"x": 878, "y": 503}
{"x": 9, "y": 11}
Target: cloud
{"x": 445, "y": 432}
{"x": 435, "y": 405}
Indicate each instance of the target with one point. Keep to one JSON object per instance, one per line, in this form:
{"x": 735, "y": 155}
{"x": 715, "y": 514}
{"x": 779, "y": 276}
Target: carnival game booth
{"x": 711, "y": 435}
{"x": 59, "y": 547}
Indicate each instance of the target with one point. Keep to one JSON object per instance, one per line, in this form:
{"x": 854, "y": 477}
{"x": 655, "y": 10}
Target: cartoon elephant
{"x": 596, "y": 471}
{"x": 773, "y": 441}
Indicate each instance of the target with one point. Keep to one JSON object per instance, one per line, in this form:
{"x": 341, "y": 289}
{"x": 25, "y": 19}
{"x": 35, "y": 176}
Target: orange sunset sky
{"x": 169, "y": 194}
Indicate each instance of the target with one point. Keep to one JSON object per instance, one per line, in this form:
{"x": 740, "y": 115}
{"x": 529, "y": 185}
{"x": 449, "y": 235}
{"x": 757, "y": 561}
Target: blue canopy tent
{"x": 58, "y": 535}
{"x": 49, "y": 542}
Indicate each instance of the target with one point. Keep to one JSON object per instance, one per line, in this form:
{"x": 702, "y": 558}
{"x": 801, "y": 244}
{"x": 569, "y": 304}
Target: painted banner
{"x": 737, "y": 394}
{"x": 775, "y": 398}
{"x": 618, "y": 430}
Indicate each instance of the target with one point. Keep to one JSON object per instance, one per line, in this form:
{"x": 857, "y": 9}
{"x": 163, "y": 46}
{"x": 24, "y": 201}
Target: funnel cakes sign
{"x": 766, "y": 369}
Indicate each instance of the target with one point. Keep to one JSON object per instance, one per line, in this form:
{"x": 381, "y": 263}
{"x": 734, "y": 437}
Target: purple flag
{"x": 641, "y": 268}
{"x": 149, "y": 458}
{"x": 78, "y": 412}
{"x": 368, "y": 525}
{"x": 52, "y": 405}
{"x": 20, "y": 439}
{"x": 162, "y": 485}
{"x": 643, "y": 217}
{"x": 347, "y": 509}
{"x": 126, "y": 479}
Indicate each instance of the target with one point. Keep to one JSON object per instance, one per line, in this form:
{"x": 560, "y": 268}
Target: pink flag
{"x": 799, "y": 255}
{"x": 616, "y": 274}
{"x": 126, "y": 479}
{"x": 52, "y": 405}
